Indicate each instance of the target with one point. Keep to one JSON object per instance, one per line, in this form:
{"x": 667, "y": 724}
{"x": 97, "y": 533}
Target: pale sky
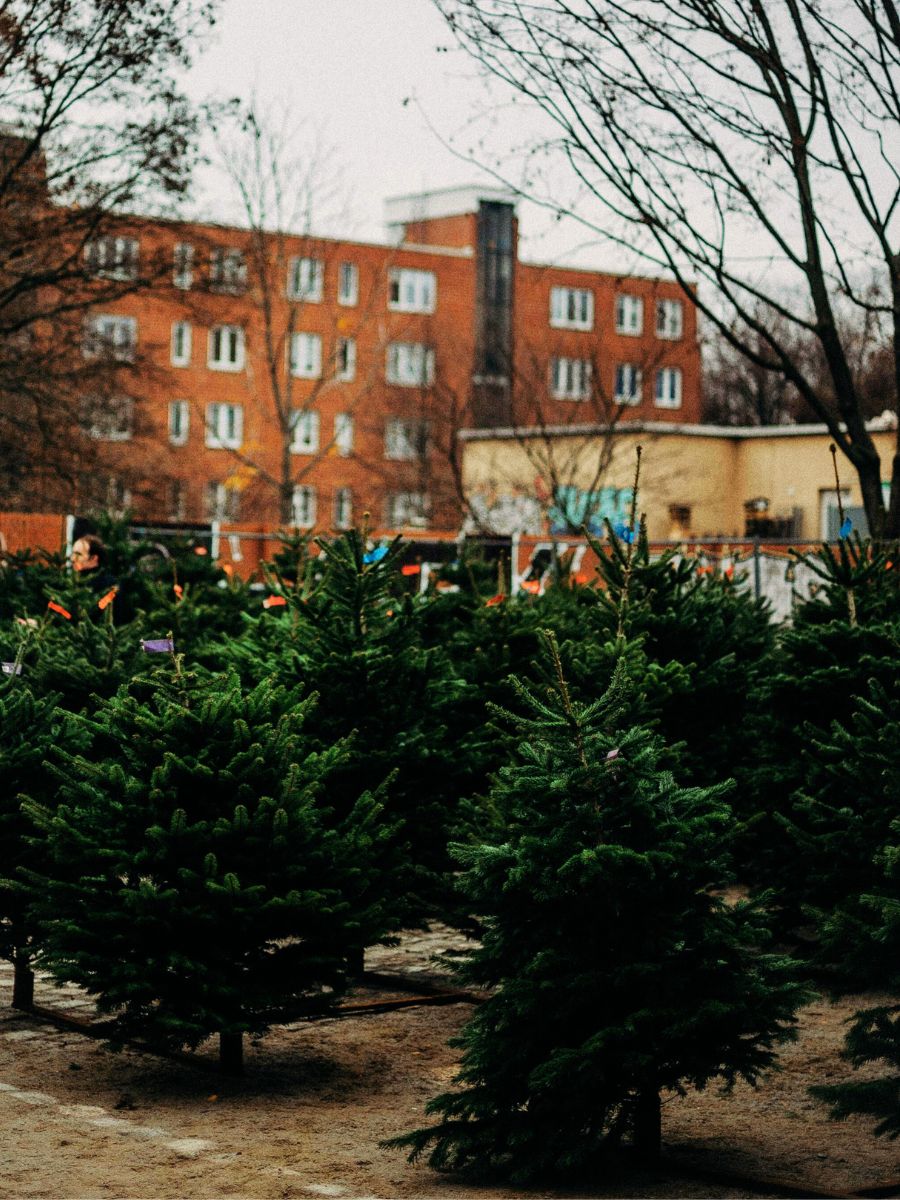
{"x": 347, "y": 66}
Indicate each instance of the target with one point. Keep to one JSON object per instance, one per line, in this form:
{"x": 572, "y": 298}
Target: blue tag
{"x": 846, "y": 527}
{"x": 625, "y": 532}
{"x": 375, "y": 555}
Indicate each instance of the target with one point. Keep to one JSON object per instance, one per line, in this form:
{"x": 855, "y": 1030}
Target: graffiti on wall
{"x": 574, "y": 508}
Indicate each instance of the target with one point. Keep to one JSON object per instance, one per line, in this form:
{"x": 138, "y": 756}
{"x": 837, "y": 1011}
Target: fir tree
{"x": 868, "y": 934}
{"x": 617, "y": 973}
{"x": 196, "y": 878}
{"x": 30, "y": 727}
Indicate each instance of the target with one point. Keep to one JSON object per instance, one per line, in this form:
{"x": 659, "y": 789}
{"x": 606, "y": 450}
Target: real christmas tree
{"x": 617, "y": 973}
{"x": 196, "y": 877}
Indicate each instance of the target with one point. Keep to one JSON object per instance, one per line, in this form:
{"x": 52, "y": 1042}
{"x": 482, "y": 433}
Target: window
{"x": 108, "y": 418}
{"x": 114, "y": 495}
{"x": 345, "y": 359}
{"x": 570, "y": 378}
{"x": 629, "y": 384}
{"x": 343, "y": 508}
{"x": 227, "y": 270}
{"x": 410, "y": 364}
{"x": 181, "y": 344}
{"x": 224, "y": 426}
{"x": 112, "y": 257}
{"x": 176, "y": 500}
{"x": 669, "y": 318}
{"x": 668, "y": 388}
{"x": 111, "y": 337}
{"x": 183, "y": 265}
{"x": 221, "y": 502}
{"x": 305, "y": 279}
{"x": 226, "y": 348}
{"x": 407, "y": 508}
{"x": 405, "y": 440}
{"x": 412, "y": 291}
{"x": 306, "y": 355}
{"x": 629, "y": 315}
{"x": 571, "y": 308}
{"x": 179, "y": 421}
{"x": 304, "y": 432}
{"x": 343, "y": 433}
{"x": 348, "y": 283}
{"x": 303, "y": 506}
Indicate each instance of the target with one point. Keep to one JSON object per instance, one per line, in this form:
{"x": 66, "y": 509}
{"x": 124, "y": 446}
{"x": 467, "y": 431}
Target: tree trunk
{"x": 648, "y": 1125}
{"x": 23, "y": 982}
{"x": 356, "y": 961}
{"x": 231, "y": 1053}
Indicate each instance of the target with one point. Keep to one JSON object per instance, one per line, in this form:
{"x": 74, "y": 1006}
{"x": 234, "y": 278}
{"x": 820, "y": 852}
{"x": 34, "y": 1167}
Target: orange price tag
{"x": 274, "y": 602}
{"x": 105, "y": 601}
{"x": 58, "y": 608}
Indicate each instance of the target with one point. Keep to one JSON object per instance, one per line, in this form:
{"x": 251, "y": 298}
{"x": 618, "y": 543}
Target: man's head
{"x": 88, "y": 553}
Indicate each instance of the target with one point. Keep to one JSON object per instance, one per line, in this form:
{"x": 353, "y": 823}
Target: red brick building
{"x": 281, "y": 379}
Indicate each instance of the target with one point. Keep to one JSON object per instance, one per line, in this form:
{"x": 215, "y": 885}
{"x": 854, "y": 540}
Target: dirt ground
{"x": 78, "y": 1122}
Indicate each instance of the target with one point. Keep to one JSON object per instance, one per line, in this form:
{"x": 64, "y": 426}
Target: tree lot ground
{"x": 79, "y": 1122}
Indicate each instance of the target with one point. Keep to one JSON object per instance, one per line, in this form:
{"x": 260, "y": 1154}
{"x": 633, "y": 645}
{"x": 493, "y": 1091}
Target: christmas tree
{"x": 196, "y": 877}
{"x": 617, "y": 974}
{"x": 29, "y": 727}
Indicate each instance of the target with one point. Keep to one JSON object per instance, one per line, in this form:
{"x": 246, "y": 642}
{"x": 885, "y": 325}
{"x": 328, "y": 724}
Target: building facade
{"x": 289, "y": 380}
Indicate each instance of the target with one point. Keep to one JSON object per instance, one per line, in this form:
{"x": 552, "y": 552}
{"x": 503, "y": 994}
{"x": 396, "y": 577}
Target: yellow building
{"x": 700, "y": 481}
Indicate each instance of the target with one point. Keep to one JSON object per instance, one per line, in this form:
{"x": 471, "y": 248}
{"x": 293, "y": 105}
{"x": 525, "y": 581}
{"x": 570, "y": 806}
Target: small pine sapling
{"x": 617, "y": 972}
{"x": 194, "y": 875}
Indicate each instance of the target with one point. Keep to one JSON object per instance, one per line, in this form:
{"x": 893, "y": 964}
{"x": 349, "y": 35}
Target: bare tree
{"x": 93, "y": 124}
{"x": 288, "y": 186}
{"x": 748, "y": 148}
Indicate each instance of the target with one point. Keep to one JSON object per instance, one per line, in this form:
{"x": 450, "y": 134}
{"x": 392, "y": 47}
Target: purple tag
{"x": 158, "y": 646}
{"x": 11, "y": 668}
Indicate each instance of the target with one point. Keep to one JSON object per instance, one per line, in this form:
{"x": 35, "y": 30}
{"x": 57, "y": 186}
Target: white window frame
{"x": 343, "y": 434}
{"x": 227, "y": 269}
{"x": 629, "y": 384}
{"x": 111, "y": 336}
{"x": 176, "y": 500}
{"x": 182, "y": 265}
{"x": 348, "y": 284}
{"x": 629, "y": 314}
{"x": 304, "y": 431}
{"x": 667, "y": 391}
{"x": 342, "y": 508}
{"x": 405, "y": 439}
{"x": 112, "y": 257}
{"x": 180, "y": 355}
{"x": 233, "y": 359}
{"x": 109, "y": 418}
{"x": 304, "y": 503}
{"x": 570, "y": 378}
{"x": 571, "y": 308}
{"x": 409, "y": 364}
{"x": 179, "y": 422}
{"x": 408, "y": 510}
{"x": 669, "y": 319}
{"x": 345, "y": 359}
{"x": 221, "y": 502}
{"x": 224, "y": 425}
{"x": 306, "y": 279}
{"x": 305, "y": 356}
{"x": 412, "y": 290}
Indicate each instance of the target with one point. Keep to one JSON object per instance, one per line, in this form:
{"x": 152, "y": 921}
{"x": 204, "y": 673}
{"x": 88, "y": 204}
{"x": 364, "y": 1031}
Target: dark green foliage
{"x": 840, "y": 819}
{"x": 195, "y": 875}
{"x": 618, "y": 974}
{"x": 860, "y": 582}
{"x": 30, "y": 727}
{"x": 347, "y": 635}
{"x": 712, "y": 637}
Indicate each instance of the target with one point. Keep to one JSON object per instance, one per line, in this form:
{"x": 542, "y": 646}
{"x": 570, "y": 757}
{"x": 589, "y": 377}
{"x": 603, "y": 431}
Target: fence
{"x": 765, "y": 568}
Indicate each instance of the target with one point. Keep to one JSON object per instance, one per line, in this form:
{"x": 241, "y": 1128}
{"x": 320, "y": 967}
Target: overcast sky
{"x": 348, "y": 66}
